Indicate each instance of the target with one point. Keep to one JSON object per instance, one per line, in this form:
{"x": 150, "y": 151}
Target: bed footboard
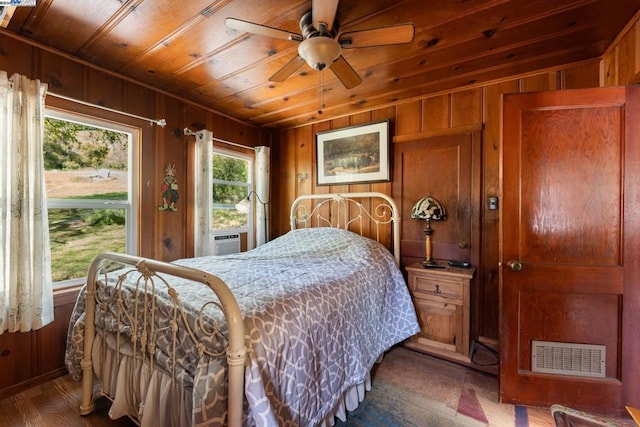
{"x": 149, "y": 275}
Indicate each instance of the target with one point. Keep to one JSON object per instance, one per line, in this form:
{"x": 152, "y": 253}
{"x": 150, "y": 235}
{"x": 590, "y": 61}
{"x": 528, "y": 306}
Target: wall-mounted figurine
{"x": 169, "y": 189}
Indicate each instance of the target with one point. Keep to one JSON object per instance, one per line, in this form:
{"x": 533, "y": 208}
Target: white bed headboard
{"x": 345, "y": 210}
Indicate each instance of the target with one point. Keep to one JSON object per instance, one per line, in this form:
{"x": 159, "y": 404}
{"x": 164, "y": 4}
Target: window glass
{"x": 231, "y": 185}
{"x": 88, "y": 174}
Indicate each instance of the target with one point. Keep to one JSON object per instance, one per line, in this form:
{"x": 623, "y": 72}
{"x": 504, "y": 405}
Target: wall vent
{"x": 584, "y": 360}
{"x": 224, "y": 244}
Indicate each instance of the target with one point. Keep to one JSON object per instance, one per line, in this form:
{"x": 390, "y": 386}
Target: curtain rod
{"x": 233, "y": 143}
{"x": 188, "y": 132}
{"x": 160, "y": 122}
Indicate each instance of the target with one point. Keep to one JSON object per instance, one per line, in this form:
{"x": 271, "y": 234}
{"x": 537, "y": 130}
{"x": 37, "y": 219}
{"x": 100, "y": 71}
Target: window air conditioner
{"x": 224, "y": 244}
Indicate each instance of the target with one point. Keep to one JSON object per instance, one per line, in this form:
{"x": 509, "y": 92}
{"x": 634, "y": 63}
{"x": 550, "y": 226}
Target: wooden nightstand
{"x": 441, "y": 298}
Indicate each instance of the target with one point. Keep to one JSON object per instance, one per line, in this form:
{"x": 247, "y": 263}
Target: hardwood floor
{"x": 55, "y": 404}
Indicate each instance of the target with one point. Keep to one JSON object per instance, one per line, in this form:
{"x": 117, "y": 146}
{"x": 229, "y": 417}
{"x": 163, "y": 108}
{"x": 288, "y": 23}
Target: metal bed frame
{"x": 328, "y": 210}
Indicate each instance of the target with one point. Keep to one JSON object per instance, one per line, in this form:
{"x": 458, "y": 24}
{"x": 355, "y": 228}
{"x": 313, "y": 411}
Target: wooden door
{"x": 448, "y": 168}
{"x": 568, "y": 212}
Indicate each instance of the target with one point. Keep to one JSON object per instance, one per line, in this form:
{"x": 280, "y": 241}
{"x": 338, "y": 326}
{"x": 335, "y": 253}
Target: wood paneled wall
{"x": 30, "y": 357}
{"x": 164, "y": 235}
{"x": 478, "y": 105}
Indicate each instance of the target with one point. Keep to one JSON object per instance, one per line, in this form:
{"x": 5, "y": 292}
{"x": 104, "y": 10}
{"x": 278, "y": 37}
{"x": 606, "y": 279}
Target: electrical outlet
{"x": 493, "y": 203}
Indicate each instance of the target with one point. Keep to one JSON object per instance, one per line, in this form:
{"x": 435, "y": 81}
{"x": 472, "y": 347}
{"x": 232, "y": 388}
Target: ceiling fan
{"x": 321, "y": 43}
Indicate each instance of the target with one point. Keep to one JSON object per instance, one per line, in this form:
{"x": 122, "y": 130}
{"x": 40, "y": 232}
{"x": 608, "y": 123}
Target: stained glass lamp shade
{"x": 428, "y": 209}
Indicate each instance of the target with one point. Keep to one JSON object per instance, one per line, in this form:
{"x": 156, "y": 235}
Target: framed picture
{"x": 353, "y": 155}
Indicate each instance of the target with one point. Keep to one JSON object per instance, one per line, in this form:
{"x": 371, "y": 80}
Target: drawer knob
{"x": 437, "y": 290}
{"x": 5, "y": 352}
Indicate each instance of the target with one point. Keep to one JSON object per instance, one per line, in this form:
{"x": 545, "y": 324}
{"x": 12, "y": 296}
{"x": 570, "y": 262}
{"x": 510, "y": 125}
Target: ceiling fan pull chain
{"x": 321, "y": 95}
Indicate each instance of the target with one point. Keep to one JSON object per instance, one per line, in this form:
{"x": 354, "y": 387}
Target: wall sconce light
{"x": 244, "y": 206}
{"x": 428, "y": 209}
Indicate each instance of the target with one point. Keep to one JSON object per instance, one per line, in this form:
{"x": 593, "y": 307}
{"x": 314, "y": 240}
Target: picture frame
{"x": 353, "y": 155}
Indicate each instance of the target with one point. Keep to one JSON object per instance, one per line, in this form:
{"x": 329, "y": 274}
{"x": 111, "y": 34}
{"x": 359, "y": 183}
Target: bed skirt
{"x": 145, "y": 394}
{"x": 150, "y": 396}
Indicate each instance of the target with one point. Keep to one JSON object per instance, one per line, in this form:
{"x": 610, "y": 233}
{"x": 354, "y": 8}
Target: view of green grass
{"x": 227, "y": 218}
{"x": 77, "y": 235}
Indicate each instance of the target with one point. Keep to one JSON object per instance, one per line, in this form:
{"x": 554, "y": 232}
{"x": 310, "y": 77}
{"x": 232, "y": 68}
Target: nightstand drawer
{"x": 429, "y": 287}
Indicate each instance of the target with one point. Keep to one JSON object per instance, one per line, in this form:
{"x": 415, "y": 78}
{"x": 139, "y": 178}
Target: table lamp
{"x": 428, "y": 209}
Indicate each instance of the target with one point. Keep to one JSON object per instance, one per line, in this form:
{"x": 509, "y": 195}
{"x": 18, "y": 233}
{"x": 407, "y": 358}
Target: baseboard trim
{"x": 17, "y": 388}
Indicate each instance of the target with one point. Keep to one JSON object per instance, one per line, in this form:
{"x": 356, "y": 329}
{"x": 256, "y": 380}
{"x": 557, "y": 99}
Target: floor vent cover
{"x": 568, "y": 359}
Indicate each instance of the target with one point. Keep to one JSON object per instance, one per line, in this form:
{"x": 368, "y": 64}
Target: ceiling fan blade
{"x": 289, "y": 68}
{"x": 395, "y": 34}
{"x": 262, "y": 30}
{"x": 324, "y": 11}
{"x": 345, "y": 73}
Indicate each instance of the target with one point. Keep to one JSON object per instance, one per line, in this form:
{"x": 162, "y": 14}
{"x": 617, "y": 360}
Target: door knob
{"x": 514, "y": 265}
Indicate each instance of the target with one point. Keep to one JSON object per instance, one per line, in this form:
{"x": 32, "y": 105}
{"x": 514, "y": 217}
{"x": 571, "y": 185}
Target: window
{"x": 231, "y": 184}
{"x": 90, "y": 178}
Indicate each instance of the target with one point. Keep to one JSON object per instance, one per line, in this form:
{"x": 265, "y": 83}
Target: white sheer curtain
{"x": 263, "y": 156}
{"x": 26, "y": 290}
{"x": 203, "y": 190}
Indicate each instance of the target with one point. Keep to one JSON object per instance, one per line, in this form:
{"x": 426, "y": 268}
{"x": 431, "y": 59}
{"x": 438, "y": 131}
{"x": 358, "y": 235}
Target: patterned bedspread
{"x": 319, "y": 305}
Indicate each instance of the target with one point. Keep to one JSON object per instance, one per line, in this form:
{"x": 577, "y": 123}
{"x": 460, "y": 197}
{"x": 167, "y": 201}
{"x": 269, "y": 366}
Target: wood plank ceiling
{"x": 186, "y": 49}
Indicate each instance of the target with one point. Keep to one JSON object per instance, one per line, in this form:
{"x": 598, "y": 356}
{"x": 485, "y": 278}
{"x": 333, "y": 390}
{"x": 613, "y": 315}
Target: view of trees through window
{"x": 230, "y": 185}
{"x": 86, "y": 169}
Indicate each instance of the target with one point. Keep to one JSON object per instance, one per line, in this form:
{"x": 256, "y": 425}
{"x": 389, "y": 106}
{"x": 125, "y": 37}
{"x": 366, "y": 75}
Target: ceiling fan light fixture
{"x": 319, "y": 52}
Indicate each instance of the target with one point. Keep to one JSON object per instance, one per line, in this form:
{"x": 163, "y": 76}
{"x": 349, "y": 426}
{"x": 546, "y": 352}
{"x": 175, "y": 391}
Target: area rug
{"x": 414, "y": 390}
